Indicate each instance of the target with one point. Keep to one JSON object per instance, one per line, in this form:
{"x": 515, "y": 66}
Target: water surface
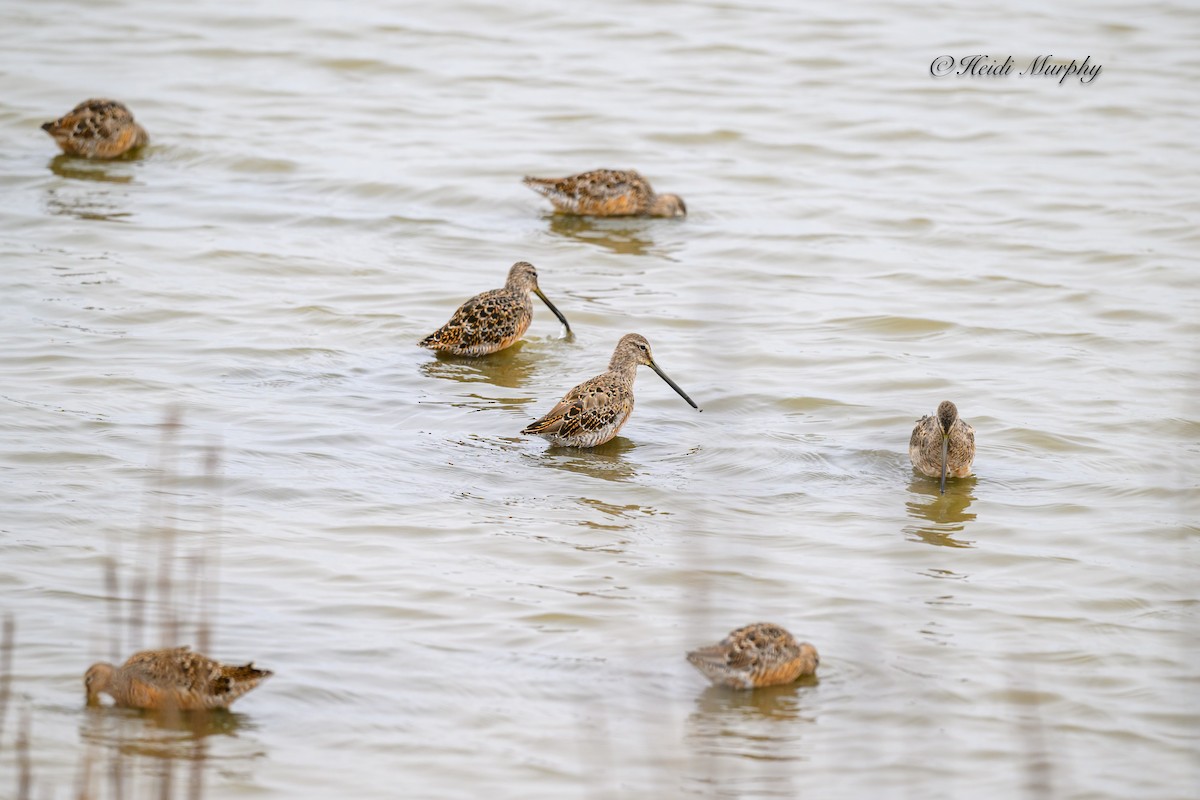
{"x": 454, "y": 610}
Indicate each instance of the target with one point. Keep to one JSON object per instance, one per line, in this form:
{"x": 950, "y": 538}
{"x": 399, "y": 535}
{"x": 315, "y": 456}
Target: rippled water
{"x": 454, "y": 610}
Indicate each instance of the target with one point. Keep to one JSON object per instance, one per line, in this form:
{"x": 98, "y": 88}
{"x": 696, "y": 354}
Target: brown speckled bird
{"x": 593, "y": 412}
{"x": 492, "y": 321}
{"x": 757, "y": 655}
{"x": 607, "y": 193}
{"x": 942, "y": 444}
{"x": 175, "y": 679}
{"x": 97, "y": 129}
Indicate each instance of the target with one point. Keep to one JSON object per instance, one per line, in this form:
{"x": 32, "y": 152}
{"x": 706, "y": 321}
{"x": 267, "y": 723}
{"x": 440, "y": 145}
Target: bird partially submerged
{"x": 171, "y": 679}
{"x": 607, "y": 193}
{"x": 756, "y": 655}
{"x": 97, "y": 128}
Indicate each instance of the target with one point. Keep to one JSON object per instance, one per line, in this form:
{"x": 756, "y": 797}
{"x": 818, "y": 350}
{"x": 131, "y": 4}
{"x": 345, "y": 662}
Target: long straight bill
{"x": 557, "y": 313}
{"x": 674, "y": 386}
{"x": 945, "y": 447}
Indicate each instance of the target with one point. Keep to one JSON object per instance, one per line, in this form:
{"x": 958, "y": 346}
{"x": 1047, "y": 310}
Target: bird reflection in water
{"x": 80, "y": 169}
{"x": 172, "y": 746}
{"x": 105, "y": 202}
{"x": 759, "y": 733}
{"x": 723, "y": 705}
{"x": 946, "y": 514}
{"x": 607, "y": 461}
{"x": 155, "y": 729}
{"x": 622, "y": 235}
{"x": 509, "y": 368}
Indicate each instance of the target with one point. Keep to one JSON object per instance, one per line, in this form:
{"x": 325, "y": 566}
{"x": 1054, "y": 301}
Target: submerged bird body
{"x": 172, "y": 679}
{"x": 756, "y": 655}
{"x": 493, "y": 320}
{"x": 607, "y": 193}
{"x": 593, "y": 412}
{"x": 97, "y": 128}
{"x": 942, "y": 444}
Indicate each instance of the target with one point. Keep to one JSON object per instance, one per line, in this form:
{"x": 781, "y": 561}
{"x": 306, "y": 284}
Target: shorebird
{"x": 607, "y": 193}
{"x": 593, "y": 412}
{"x": 97, "y": 129}
{"x": 942, "y": 444}
{"x": 175, "y": 679}
{"x": 757, "y": 655}
{"x": 494, "y": 320}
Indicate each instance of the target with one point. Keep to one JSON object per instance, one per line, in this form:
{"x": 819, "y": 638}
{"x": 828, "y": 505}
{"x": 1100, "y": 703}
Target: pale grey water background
{"x": 455, "y": 611}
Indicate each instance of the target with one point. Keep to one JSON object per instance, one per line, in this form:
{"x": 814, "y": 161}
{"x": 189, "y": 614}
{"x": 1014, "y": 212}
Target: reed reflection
{"x": 170, "y": 746}
{"x": 946, "y": 514}
{"x": 173, "y": 748}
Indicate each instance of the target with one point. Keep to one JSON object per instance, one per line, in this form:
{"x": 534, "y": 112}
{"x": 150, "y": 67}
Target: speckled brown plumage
{"x": 97, "y": 128}
{"x": 607, "y": 193}
{"x": 593, "y": 412}
{"x": 757, "y": 655}
{"x": 172, "y": 679}
{"x": 938, "y": 435}
{"x": 493, "y": 320}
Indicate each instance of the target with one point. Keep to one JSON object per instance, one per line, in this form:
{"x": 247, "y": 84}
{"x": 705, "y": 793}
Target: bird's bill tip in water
{"x": 566, "y": 325}
{"x": 945, "y": 447}
{"x": 674, "y": 385}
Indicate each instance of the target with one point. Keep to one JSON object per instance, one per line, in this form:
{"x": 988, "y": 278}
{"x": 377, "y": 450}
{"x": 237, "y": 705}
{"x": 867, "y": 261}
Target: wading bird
{"x": 171, "y": 679}
{"x": 593, "y": 412}
{"x": 756, "y": 655}
{"x": 493, "y": 320}
{"x": 942, "y": 444}
{"x": 607, "y": 193}
{"x": 97, "y": 129}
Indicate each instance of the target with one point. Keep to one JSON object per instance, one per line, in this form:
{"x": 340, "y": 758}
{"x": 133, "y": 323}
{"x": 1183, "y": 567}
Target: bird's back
{"x": 960, "y": 454}
{"x": 925, "y": 448}
{"x": 488, "y": 322}
{"x": 97, "y": 129}
{"x": 590, "y": 414}
{"x": 756, "y": 655}
{"x": 178, "y": 678}
{"x": 601, "y": 192}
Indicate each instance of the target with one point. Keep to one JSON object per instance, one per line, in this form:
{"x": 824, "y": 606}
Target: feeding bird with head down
{"x": 171, "y": 679}
{"x": 97, "y": 128}
{"x": 607, "y": 193}
{"x": 754, "y": 656}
